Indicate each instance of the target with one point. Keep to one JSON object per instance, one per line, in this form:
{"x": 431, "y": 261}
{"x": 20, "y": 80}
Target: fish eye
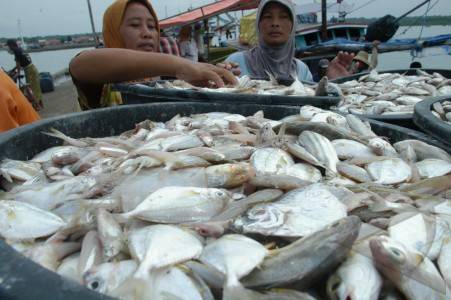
{"x": 94, "y": 285}
{"x": 396, "y": 252}
{"x": 220, "y": 193}
{"x": 333, "y": 286}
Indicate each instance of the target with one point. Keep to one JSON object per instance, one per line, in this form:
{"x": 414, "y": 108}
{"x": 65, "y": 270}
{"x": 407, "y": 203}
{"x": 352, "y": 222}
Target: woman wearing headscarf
{"x": 131, "y": 37}
{"x": 275, "y": 51}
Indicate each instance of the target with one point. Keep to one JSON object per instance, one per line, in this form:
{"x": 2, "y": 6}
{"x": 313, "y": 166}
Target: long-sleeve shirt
{"x": 238, "y": 57}
{"x": 15, "y": 110}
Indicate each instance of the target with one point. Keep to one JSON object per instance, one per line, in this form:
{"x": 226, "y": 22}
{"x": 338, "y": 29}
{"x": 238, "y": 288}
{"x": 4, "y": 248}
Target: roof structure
{"x": 208, "y": 11}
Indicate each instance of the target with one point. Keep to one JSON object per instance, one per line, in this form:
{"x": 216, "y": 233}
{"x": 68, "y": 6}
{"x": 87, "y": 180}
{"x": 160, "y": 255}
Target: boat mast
{"x": 19, "y": 25}
{"x": 96, "y": 40}
{"x": 324, "y": 20}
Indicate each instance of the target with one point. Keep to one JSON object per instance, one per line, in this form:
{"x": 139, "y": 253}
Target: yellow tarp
{"x": 248, "y": 35}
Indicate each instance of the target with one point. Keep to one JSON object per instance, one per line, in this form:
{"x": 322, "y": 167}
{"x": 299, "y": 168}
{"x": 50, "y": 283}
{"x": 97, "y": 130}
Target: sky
{"x": 50, "y": 17}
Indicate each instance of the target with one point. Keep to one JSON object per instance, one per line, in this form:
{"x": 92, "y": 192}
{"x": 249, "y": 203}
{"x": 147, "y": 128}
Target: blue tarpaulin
{"x": 391, "y": 45}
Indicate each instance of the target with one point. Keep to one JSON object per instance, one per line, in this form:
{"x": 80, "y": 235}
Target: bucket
{"x": 140, "y": 93}
{"x": 23, "y": 279}
{"x": 429, "y": 123}
{"x": 403, "y": 120}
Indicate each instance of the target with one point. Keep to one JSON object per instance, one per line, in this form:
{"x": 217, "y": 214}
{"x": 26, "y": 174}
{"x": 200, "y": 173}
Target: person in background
{"x": 131, "y": 35}
{"x": 23, "y": 61}
{"x": 275, "y": 50}
{"x": 15, "y": 110}
{"x": 323, "y": 66}
{"x": 168, "y": 44}
{"x": 198, "y": 38}
{"x": 228, "y": 34}
{"x": 188, "y": 47}
{"x": 362, "y": 63}
{"x": 415, "y": 65}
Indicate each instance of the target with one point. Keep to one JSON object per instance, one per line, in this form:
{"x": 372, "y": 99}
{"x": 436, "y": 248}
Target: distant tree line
{"x": 411, "y": 21}
{"x": 62, "y": 37}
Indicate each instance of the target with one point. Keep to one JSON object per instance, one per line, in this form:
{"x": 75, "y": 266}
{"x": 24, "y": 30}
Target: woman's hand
{"x": 340, "y": 65}
{"x": 203, "y": 74}
{"x": 230, "y": 66}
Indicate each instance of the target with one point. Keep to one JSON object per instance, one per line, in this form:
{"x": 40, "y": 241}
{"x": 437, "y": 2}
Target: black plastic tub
{"x": 403, "y": 120}
{"x": 22, "y": 279}
{"x": 429, "y": 123}
{"x": 141, "y": 93}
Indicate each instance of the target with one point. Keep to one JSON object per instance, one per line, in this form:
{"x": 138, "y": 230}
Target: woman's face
{"x": 275, "y": 24}
{"x": 138, "y": 29}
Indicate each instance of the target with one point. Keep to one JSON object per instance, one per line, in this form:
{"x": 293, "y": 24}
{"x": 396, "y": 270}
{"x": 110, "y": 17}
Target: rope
{"x": 362, "y": 6}
{"x": 416, "y": 21}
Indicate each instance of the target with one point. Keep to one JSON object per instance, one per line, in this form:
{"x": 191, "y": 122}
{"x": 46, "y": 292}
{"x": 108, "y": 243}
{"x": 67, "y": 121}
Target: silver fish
{"x": 307, "y": 259}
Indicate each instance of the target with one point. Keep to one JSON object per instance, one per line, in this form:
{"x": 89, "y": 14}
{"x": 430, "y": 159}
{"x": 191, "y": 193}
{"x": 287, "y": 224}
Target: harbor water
{"x": 56, "y": 61}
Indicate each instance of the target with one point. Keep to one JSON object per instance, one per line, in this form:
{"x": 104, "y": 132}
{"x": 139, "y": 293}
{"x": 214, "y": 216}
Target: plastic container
{"x": 23, "y": 279}
{"x": 404, "y": 120}
{"x": 46, "y": 82}
{"x": 429, "y": 123}
{"x": 140, "y": 93}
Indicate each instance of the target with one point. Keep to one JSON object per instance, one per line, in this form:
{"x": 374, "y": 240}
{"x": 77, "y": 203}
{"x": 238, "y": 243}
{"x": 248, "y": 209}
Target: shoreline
{"x": 59, "y": 47}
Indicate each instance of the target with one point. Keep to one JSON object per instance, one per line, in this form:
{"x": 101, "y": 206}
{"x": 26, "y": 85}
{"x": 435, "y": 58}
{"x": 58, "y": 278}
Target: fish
{"x": 444, "y": 260}
{"x": 50, "y": 254}
{"x": 423, "y": 150}
{"x": 106, "y": 277}
{"x": 307, "y": 259}
{"x": 159, "y": 246}
{"x": 299, "y": 212}
{"x": 110, "y": 234}
{"x": 270, "y": 161}
{"x": 321, "y": 148}
{"x": 389, "y": 171}
{"x": 228, "y": 175}
{"x": 68, "y": 268}
{"x": 406, "y": 270}
{"x": 22, "y": 221}
{"x": 419, "y": 232}
{"x": 431, "y": 167}
{"x": 91, "y": 253}
{"x": 357, "y": 278}
{"x": 180, "y": 204}
{"x": 234, "y": 256}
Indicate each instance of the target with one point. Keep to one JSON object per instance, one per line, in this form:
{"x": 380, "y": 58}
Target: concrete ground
{"x": 62, "y": 100}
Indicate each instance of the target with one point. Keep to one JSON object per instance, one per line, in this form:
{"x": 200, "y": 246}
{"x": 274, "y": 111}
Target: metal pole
{"x": 416, "y": 7}
{"x": 324, "y": 20}
{"x": 19, "y": 25}
{"x": 92, "y": 24}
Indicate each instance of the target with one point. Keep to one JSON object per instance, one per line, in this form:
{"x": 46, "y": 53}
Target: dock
{"x": 63, "y": 100}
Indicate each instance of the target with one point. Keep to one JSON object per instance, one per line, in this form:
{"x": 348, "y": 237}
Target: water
{"x": 55, "y": 61}
{"x": 402, "y": 59}
{"x": 47, "y": 61}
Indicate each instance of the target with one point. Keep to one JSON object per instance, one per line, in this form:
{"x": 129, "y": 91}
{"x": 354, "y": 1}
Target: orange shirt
{"x": 15, "y": 110}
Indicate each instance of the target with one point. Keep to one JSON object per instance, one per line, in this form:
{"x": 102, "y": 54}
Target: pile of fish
{"x": 223, "y": 206}
{"x": 390, "y": 93}
{"x": 442, "y": 110}
{"x": 246, "y": 85}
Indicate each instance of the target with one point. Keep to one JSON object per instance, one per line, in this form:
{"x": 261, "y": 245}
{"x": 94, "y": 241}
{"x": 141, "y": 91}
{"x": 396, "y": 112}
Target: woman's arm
{"x": 118, "y": 65}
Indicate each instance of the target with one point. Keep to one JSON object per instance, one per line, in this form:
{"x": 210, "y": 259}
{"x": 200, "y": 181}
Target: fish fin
{"x": 123, "y": 218}
{"x": 132, "y": 288}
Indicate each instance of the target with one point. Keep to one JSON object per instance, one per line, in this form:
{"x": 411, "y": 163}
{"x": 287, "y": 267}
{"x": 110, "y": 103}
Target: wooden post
{"x": 96, "y": 40}
{"x": 324, "y": 20}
